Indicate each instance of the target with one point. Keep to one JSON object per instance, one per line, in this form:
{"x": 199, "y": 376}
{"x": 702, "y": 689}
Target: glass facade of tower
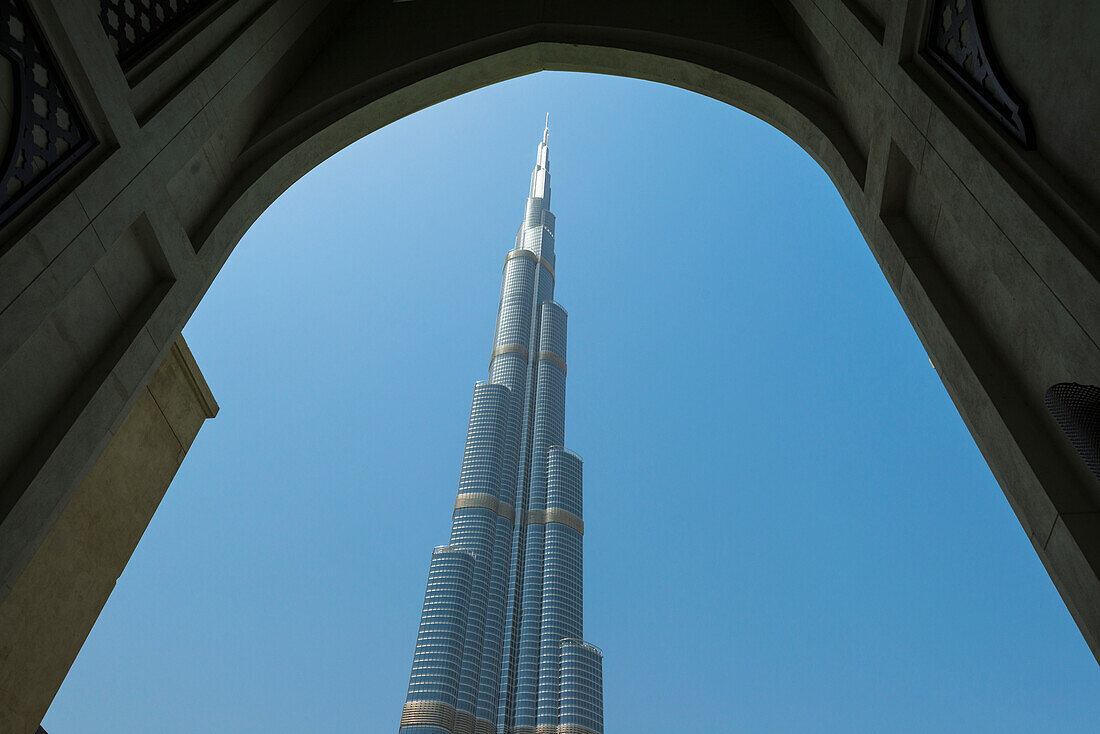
{"x": 499, "y": 650}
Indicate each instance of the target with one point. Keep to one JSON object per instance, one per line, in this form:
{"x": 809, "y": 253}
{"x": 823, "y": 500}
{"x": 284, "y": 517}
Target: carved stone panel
{"x": 958, "y": 43}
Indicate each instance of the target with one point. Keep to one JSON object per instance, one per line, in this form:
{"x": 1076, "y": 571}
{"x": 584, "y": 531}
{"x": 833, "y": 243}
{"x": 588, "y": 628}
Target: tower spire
{"x": 540, "y": 177}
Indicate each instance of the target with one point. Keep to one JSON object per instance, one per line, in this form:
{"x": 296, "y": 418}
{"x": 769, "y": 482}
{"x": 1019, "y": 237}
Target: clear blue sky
{"x": 788, "y": 527}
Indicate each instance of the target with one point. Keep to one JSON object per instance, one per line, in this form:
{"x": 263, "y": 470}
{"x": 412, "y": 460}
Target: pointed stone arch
{"x": 992, "y": 247}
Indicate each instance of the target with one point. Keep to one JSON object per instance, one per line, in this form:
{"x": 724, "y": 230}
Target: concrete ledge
{"x": 54, "y": 603}
{"x": 182, "y": 354}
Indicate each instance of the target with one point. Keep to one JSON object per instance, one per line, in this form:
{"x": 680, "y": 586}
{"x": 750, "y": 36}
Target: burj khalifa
{"x": 500, "y": 648}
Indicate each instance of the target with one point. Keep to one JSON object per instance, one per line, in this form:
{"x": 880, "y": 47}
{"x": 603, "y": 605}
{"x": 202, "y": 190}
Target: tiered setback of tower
{"x": 499, "y": 649}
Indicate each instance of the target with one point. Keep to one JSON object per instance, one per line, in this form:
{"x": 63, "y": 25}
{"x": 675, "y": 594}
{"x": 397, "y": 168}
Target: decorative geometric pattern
{"x": 1077, "y": 410}
{"x": 47, "y": 133}
{"x": 134, "y": 27}
{"x": 955, "y": 43}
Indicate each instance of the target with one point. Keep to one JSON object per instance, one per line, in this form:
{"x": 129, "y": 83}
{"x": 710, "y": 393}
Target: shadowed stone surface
{"x": 45, "y": 619}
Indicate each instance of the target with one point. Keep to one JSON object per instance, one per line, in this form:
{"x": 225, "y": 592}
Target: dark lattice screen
{"x": 135, "y": 27}
{"x": 47, "y": 133}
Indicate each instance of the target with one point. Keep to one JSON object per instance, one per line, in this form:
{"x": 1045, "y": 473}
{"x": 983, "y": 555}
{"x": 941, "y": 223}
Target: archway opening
{"x": 782, "y": 503}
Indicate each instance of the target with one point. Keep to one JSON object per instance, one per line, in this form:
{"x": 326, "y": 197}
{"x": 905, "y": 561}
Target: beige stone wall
{"x": 52, "y": 607}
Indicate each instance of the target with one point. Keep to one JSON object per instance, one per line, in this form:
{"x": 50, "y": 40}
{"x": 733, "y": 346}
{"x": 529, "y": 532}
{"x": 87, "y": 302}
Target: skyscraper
{"x": 500, "y": 648}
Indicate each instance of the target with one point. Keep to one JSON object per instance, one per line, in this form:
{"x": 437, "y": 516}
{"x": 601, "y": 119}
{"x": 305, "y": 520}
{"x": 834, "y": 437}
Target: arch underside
{"x": 991, "y": 248}
{"x": 769, "y": 62}
{"x": 344, "y": 94}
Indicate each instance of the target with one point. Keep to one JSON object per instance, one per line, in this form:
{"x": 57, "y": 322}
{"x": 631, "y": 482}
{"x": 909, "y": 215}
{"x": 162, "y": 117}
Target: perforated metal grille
{"x": 1077, "y": 410}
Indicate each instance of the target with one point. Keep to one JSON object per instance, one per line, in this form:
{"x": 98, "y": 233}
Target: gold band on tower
{"x": 486, "y": 501}
{"x": 428, "y": 713}
{"x": 558, "y": 515}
